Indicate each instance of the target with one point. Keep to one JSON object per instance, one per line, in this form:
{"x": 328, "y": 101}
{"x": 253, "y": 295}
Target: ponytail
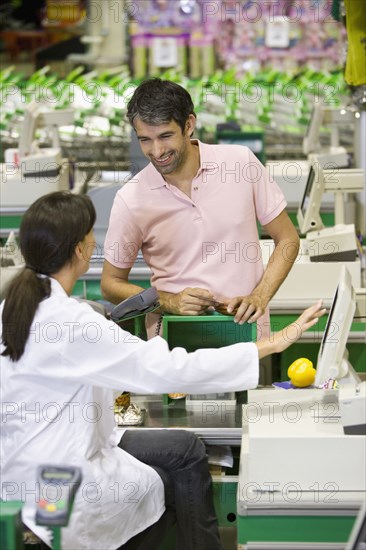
{"x": 25, "y": 293}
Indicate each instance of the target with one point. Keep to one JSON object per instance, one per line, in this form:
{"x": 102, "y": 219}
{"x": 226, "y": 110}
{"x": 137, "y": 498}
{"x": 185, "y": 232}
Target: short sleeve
{"x": 268, "y": 197}
{"x": 123, "y": 239}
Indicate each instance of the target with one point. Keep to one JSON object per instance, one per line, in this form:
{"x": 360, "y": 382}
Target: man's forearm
{"x": 167, "y": 302}
{"x": 117, "y": 290}
{"x": 278, "y": 267}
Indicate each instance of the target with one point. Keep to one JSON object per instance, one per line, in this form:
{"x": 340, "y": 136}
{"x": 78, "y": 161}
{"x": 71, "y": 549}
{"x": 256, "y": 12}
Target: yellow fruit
{"x": 296, "y": 364}
{"x": 301, "y": 372}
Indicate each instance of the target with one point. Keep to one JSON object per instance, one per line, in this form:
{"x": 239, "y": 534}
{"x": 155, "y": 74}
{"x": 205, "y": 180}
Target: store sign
{"x": 277, "y": 33}
{"x": 165, "y": 52}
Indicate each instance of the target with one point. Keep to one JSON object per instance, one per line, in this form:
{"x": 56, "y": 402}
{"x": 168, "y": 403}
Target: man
{"x": 193, "y": 212}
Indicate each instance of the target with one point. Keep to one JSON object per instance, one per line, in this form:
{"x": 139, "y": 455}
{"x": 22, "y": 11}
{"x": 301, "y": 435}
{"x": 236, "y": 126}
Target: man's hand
{"x": 244, "y": 308}
{"x": 190, "y": 301}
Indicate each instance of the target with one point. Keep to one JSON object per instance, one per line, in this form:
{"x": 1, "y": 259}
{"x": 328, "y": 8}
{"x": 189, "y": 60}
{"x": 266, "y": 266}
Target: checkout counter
{"x": 303, "y": 451}
{"x": 301, "y": 479}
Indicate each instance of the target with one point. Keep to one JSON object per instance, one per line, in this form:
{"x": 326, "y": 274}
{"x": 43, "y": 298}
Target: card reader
{"x": 57, "y": 489}
{"x": 139, "y": 304}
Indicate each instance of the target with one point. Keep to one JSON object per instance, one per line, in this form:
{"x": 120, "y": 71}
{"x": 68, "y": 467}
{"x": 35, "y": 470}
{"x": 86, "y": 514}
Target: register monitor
{"x": 325, "y": 175}
{"x": 308, "y": 214}
{"x": 38, "y": 170}
{"x": 324, "y": 115}
{"x": 311, "y": 142}
{"x": 36, "y": 116}
{"x": 333, "y": 356}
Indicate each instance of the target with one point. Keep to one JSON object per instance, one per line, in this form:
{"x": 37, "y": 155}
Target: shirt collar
{"x": 56, "y": 287}
{"x": 207, "y": 157}
{"x": 207, "y": 164}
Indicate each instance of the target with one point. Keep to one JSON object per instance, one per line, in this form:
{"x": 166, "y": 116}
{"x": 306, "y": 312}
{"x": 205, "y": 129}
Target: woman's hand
{"x": 294, "y": 331}
{"x": 289, "y": 335}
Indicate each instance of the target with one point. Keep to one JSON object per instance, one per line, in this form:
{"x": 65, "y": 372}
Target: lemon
{"x": 301, "y": 372}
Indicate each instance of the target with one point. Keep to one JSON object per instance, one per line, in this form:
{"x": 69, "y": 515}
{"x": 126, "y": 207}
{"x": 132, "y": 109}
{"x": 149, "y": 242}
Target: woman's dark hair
{"x": 157, "y": 101}
{"x": 50, "y": 230}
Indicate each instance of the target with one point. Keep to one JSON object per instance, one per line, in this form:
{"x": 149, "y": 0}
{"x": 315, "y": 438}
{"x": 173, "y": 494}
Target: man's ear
{"x": 190, "y": 125}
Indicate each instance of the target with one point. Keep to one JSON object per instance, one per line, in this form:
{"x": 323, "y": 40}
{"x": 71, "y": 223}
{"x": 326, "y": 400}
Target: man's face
{"x": 165, "y": 145}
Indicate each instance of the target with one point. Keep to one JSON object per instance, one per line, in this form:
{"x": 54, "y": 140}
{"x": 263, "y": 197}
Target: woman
{"x": 61, "y": 362}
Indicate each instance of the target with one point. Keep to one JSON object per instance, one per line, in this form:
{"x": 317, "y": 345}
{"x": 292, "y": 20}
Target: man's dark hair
{"x": 157, "y": 101}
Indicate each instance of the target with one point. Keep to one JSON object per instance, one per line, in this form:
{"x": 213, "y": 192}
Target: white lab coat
{"x": 57, "y": 408}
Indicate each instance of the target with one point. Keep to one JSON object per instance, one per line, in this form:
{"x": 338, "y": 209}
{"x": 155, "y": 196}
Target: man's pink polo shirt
{"x": 208, "y": 241}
